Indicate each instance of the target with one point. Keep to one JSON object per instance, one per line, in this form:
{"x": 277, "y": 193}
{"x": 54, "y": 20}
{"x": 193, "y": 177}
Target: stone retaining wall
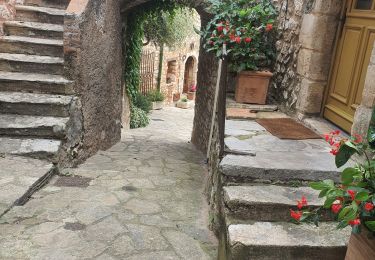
{"x": 93, "y": 60}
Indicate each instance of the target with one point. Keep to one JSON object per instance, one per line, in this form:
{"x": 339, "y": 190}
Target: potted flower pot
{"x": 176, "y": 97}
{"x": 183, "y": 103}
{"x": 191, "y": 95}
{"x": 252, "y": 87}
{"x": 157, "y": 105}
{"x": 361, "y": 246}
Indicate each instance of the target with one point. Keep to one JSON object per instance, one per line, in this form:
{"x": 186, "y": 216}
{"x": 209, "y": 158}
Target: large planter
{"x": 252, "y": 87}
{"x": 361, "y": 246}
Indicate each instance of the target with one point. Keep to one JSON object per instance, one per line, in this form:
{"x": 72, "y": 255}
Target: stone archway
{"x": 190, "y": 73}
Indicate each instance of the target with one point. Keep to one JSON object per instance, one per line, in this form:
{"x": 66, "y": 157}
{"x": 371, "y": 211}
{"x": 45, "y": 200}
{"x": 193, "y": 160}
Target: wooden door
{"x": 353, "y": 52}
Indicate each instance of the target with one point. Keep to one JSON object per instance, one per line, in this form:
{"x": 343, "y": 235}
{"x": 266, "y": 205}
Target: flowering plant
{"x": 247, "y": 30}
{"x": 352, "y": 201}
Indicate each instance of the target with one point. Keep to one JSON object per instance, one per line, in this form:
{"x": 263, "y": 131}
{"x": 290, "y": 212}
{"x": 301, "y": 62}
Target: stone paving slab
{"x": 144, "y": 201}
{"x": 267, "y": 240}
{"x": 19, "y": 177}
{"x": 281, "y": 166}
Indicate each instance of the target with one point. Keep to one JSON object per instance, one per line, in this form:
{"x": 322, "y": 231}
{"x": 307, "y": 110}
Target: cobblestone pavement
{"x": 142, "y": 199}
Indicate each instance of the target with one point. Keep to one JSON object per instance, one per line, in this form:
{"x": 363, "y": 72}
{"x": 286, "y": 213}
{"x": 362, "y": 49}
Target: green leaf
{"x": 319, "y": 185}
{"x": 328, "y": 203}
{"x": 330, "y": 183}
{"x": 342, "y": 224}
{"x": 347, "y": 175}
{"x": 344, "y": 154}
{"x": 370, "y": 225}
{"x": 362, "y": 196}
{"x": 323, "y": 193}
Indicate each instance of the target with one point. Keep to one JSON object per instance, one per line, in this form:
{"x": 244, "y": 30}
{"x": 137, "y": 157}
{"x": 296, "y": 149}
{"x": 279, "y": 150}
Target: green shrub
{"x": 138, "y": 118}
{"x": 142, "y": 102}
{"x": 184, "y": 99}
{"x": 155, "y": 96}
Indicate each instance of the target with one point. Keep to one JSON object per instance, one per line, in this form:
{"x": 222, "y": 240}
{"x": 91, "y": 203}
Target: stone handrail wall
{"x": 93, "y": 61}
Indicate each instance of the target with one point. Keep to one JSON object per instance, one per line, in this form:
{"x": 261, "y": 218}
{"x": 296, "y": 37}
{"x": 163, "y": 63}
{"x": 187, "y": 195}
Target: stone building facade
{"x": 179, "y": 66}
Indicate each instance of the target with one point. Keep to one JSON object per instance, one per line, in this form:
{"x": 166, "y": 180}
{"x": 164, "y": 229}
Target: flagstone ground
{"x": 142, "y": 199}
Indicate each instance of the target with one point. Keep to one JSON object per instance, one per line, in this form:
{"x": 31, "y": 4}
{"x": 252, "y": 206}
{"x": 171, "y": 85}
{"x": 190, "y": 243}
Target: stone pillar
{"x": 317, "y": 37}
{"x": 363, "y": 114}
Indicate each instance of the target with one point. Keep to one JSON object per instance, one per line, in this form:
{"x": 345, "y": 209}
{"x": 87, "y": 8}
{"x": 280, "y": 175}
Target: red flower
{"x": 296, "y": 215}
{"x": 369, "y": 206}
{"x": 248, "y": 40}
{"x": 211, "y": 43}
{"x": 351, "y": 194}
{"x": 238, "y": 39}
{"x": 336, "y": 132}
{"x": 336, "y": 208}
{"x": 302, "y": 203}
{"x": 334, "y": 152}
{"x": 269, "y": 27}
{"x": 357, "y": 139}
{"x": 220, "y": 28}
{"x": 355, "y": 222}
{"x": 232, "y": 37}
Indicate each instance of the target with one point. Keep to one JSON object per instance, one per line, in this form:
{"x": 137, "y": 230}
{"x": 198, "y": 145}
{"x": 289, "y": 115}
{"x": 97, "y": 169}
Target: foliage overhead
{"x": 169, "y": 27}
{"x": 247, "y": 30}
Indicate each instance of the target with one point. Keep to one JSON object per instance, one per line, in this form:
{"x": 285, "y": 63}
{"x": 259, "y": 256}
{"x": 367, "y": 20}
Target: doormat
{"x": 287, "y": 128}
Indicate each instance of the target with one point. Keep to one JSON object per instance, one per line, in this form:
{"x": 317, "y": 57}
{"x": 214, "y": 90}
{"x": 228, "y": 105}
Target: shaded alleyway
{"x": 144, "y": 200}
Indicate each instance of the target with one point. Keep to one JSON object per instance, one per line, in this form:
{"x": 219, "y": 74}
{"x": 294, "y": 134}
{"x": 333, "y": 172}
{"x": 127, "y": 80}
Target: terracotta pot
{"x": 191, "y": 95}
{"x": 252, "y": 87}
{"x": 176, "y": 97}
{"x": 361, "y": 246}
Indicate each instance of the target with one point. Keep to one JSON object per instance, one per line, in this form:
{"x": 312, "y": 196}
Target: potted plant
{"x": 352, "y": 200}
{"x": 176, "y": 97}
{"x": 183, "y": 103}
{"x": 157, "y": 99}
{"x": 192, "y": 92}
{"x": 247, "y": 30}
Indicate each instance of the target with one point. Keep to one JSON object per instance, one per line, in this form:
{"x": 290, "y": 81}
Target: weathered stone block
{"x": 310, "y": 97}
{"x": 329, "y": 7}
{"x": 318, "y": 32}
{"x": 368, "y": 98}
{"x": 313, "y": 65}
{"x": 362, "y": 120}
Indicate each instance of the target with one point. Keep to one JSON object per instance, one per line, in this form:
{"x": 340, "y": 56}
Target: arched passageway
{"x": 190, "y": 74}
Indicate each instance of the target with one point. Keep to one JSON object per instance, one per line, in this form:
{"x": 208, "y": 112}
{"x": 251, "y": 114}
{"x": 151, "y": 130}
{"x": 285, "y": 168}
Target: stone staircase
{"x": 258, "y": 192}
{"x": 35, "y": 98}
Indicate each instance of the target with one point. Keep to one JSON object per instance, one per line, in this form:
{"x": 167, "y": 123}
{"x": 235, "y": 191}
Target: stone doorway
{"x": 190, "y": 74}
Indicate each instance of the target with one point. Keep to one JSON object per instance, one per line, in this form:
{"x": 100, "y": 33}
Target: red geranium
{"x": 296, "y": 215}
{"x": 248, "y": 39}
{"x": 269, "y": 27}
{"x": 355, "y": 222}
{"x": 351, "y": 194}
{"x": 336, "y": 208}
{"x": 369, "y": 206}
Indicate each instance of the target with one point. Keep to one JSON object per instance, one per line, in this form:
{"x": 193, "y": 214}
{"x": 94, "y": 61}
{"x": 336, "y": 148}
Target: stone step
{"x": 266, "y": 202}
{"x": 267, "y": 240}
{"x": 34, "y": 104}
{"x": 31, "y": 46}
{"x": 284, "y": 167}
{"x": 59, "y": 4}
{"x": 32, "y": 29}
{"x": 34, "y": 83}
{"x": 39, "y": 14}
{"x": 35, "y": 126}
{"x": 21, "y": 177}
{"x": 30, "y": 147}
{"x": 31, "y": 64}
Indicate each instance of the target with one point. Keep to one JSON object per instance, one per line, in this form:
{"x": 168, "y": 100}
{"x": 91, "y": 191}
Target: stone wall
{"x": 305, "y": 46}
{"x": 179, "y": 56}
{"x": 93, "y": 60}
{"x": 363, "y": 114}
